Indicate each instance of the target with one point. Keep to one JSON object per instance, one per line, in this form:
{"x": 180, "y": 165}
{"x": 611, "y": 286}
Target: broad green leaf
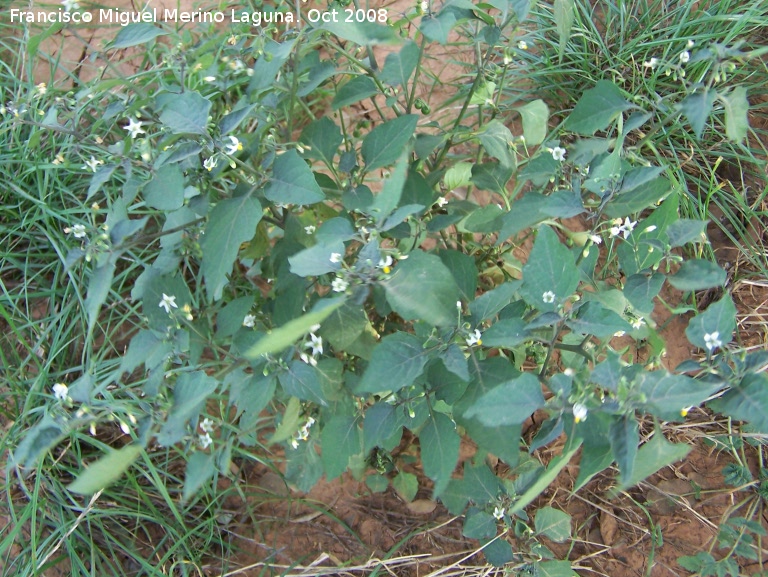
{"x": 594, "y": 459}
{"x": 521, "y": 8}
{"x": 189, "y": 395}
{"x": 395, "y": 363}
{"x": 384, "y": 144}
{"x": 136, "y": 33}
{"x": 685, "y": 230}
{"x": 506, "y": 333}
{"x": 667, "y": 394}
{"x": 535, "y": 116}
{"x": 439, "y": 450}
{"x": 453, "y": 359}
{"x": 624, "y": 439}
{"x": 166, "y": 189}
{"x": 550, "y": 275}
{"x": 485, "y": 220}
{"x": 250, "y": 395}
{"x": 480, "y": 484}
{"x": 377, "y": 483}
{"x": 736, "y": 108}
{"x": 697, "y": 274}
{"x": 498, "y": 552}
{"x": 717, "y": 322}
{"x": 492, "y": 176}
{"x": 200, "y": 468}
{"x": 322, "y": 139}
{"x": 105, "y": 471}
{"x": 497, "y": 141}
{"x": 553, "y": 524}
{"x": 232, "y": 222}
{"x": 292, "y": 181}
{"x": 301, "y": 380}
{"x": 479, "y": 525}
{"x": 98, "y": 290}
{"x": 626, "y": 203}
{"x": 555, "y": 569}
{"x": 406, "y": 485}
{"x": 595, "y": 319}
{"x": 697, "y": 107}
{"x": 341, "y": 438}
{"x": 269, "y": 64}
{"x": 457, "y": 176}
{"x": 380, "y": 424}
{"x": 640, "y": 176}
{"x": 564, "y": 16}
{"x": 231, "y": 121}
{"x": 747, "y": 401}
{"x": 289, "y": 423}
{"x": 389, "y": 197}
{"x": 344, "y": 325}
{"x": 353, "y": 91}
{"x": 491, "y": 302}
{"x": 641, "y": 289}
{"x": 597, "y": 108}
{"x": 651, "y": 457}
{"x": 185, "y": 113}
{"x": 284, "y": 336}
{"x": 362, "y": 33}
{"x": 399, "y": 66}
{"x": 304, "y": 467}
{"x": 463, "y": 269}
{"x": 37, "y": 440}
{"x": 437, "y": 28}
{"x": 230, "y": 318}
{"x": 414, "y": 279}
{"x": 316, "y": 260}
{"x": 510, "y": 403}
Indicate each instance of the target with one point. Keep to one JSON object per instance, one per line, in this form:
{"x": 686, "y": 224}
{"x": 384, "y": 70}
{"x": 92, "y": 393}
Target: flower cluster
{"x": 303, "y": 433}
{"x": 316, "y": 344}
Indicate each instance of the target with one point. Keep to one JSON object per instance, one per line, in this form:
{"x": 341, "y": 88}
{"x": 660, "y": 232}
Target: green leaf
{"x": 497, "y": 139}
{"x": 698, "y": 274}
{"x": 553, "y": 524}
{"x": 289, "y": 423}
{"x": 736, "y": 108}
{"x": 37, "y": 440}
{"x": 594, "y": 458}
{"x": 189, "y": 395}
{"x": 685, "y": 230}
{"x": 550, "y": 270}
{"x": 384, "y": 144}
{"x": 439, "y": 450}
{"x": 166, "y": 189}
{"x": 136, "y": 33}
{"x": 301, "y": 380}
{"x": 491, "y": 302}
{"x": 353, "y": 91}
{"x": 454, "y": 361}
{"x": 597, "y": 108}
{"x": 377, "y": 483}
{"x": 641, "y": 289}
{"x": 479, "y": 525}
{"x": 437, "y": 28}
{"x": 362, "y": 33}
{"x": 510, "y": 403}
{"x": 564, "y": 16}
{"x": 389, "y": 197}
{"x": 457, "y": 176}
{"x": 398, "y": 67}
{"x": 200, "y": 468}
{"x": 594, "y": 318}
{"x": 624, "y": 439}
{"x": 281, "y": 338}
{"x": 344, "y": 325}
{"x": 322, "y": 139}
{"x": 506, "y": 334}
{"x": 420, "y": 275}
{"x": 185, "y": 113}
{"x": 269, "y": 64}
{"x": 406, "y": 485}
{"x": 718, "y": 321}
{"x": 535, "y": 116}
{"x": 105, "y": 471}
{"x": 316, "y": 260}
{"x": 480, "y": 484}
{"x": 341, "y": 437}
{"x": 747, "y": 401}
{"x": 651, "y": 457}
{"x": 492, "y": 176}
{"x": 463, "y": 269}
{"x": 292, "y": 181}
{"x": 667, "y": 394}
{"x": 380, "y": 424}
{"x": 521, "y": 8}
{"x": 555, "y": 569}
{"x": 230, "y": 318}
{"x": 697, "y": 107}
{"x": 498, "y": 552}
{"x": 98, "y": 290}
{"x": 231, "y": 222}
{"x": 627, "y": 203}
{"x": 396, "y": 362}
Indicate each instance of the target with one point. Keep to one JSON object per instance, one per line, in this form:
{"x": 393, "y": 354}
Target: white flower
{"x": 308, "y": 360}
{"x": 498, "y": 513}
{"x": 234, "y": 147}
{"x": 712, "y": 341}
{"x": 650, "y": 228}
{"x": 637, "y": 323}
{"x": 134, "y": 128}
{"x": 579, "y": 412}
{"x": 424, "y": 5}
{"x": 210, "y": 163}
{"x": 569, "y": 372}
{"x": 596, "y": 238}
{"x": 42, "y": 88}
{"x": 78, "y": 231}
{"x": 124, "y": 428}
{"x": 209, "y": 78}
{"x": 548, "y": 297}
{"x": 619, "y": 334}
{"x": 651, "y": 63}
{"x": 60, "y": 391}
{"x": 684, "y": 411}
{"x": 685, "y": 56}
{"x": 314, "y": 328}
{"x": 167, "y": 303}
{"x": 59, "y": 159}
{"x": 339, "y": 285}
{"x": 458, "y": 305}
{"x": 205, "y": 440}
{"x": 522, "y": 45}
{"x": 207, "y": 425}
{"x": 93, "y": 164}
{"x": 294, "y": 443}
{"x": 385, "y": 264}
{"x": 475, "y": 338}
{"x": 310, "y": 229}
{"x": 624, "y": 229}
{"x": 335, "y": 257}
{"x": 249, "y": 321}
{"x": 558, "y": 153}
{"x": 442, "y": 201}
{"x": 70, "y": 5}
{"x": 689, "y": 44}
{"x": 315, "y": 343}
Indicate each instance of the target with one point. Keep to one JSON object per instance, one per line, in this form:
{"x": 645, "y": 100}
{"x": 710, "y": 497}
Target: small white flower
{"x": 619, "y": 334}
{"x": 712, "y": 341}
{"x": 442, "y": 201}
{"x": 624, "y": 229}
{"x": 579, "y": 412}
{"x": 424, "y": 5}
{"x": 70, "y": 5}
{"x": 339, "y": 285}
{"x": 209, "y": 78}
{"x": 498, "y": 513}
{"x": 167, "y": 303}
{"x": 210, "y": 163}
{"x": 205, "y": 440}
{"x": 207, "y": 425}
{"x": 596, "y": 238}
{"x": 308, "y": 359}
{"x": 124, "y": 428}
{"x": 59, "y": 159}
{"x": 60, "y": 391}
{"x": 650, "y": 228}
{"x": 548, "y": 297}
{"x": 42, "y": 88}
{"x": 689, "y": 44}
{"x": 93, "y": 164}
{"x": 651, "y": 63}
{"x": 315, "y": 343}
{"x": 335, "y": 257}
{"x": 294, "y": 443}
{"x": 249, "y": 321}
{"x": 134, "y": 128}
{"x": 234, "y": 147}
{"x": 475, "y": 338}
{"x": 569, "y": 372}
{"x": 458, "y": 305}
{"x": 78, "y": 231}
{"x": 638, "y": 323}
{"x": 310, "y": 229}
{"x": 558, "y": 153}
{"x": 685, "y": 56}
{"x": 522, "y": 45}
{"x": 385, "y": 264}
